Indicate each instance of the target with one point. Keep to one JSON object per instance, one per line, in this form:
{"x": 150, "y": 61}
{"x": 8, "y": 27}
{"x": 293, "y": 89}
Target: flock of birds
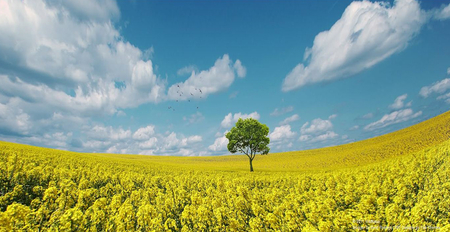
{"x": 181, "y": 93}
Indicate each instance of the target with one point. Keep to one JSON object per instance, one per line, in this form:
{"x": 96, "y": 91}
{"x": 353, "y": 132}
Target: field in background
{"x": 401, "y": 179}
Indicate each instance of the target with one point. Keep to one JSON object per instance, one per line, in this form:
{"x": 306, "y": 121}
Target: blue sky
{"x": 125, "y": 77}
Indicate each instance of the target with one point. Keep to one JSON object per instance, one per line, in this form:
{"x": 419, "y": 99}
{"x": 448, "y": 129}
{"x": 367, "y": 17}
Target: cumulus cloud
{"x": 316, "y": 126}
{"x": 436, "y": 87}
{"x": 230, "y": 119}
{"x": 144, "y": 133}
{"x": 327, "y": 135}
{"x": 355, "y": 127}
{"x": 108, "y": 133}
{"x": 103, "y": 10}
{"x": 220, "y": 144}
{"x": 281, "y": 132}
{"x": 144, "y": 140}
{"x": 393, "y": 118}
{"x": 218, "y": 78}
{"x": 290, "y": 119}
{"x": 278, "y": 112}
{"x": 318, "y": 130}
{"x": 13, "y": 121}
{"x": 71, "y": 50}
{"x": 366, "y": 33}
{"x": 399, "y": 102}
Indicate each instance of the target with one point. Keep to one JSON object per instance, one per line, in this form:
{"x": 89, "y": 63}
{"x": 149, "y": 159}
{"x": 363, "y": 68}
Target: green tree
{"x": 249, "y": 137}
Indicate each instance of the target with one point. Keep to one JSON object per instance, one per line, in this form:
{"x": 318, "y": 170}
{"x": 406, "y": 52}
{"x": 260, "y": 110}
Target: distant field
{"x": 398, "y": 180}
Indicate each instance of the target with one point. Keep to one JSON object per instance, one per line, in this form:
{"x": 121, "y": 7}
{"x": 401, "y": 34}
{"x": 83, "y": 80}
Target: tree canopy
{"x": 249, "y": 137}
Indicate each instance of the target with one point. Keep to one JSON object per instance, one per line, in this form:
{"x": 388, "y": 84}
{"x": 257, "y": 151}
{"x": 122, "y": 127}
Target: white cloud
{"x": 13, "y": 120}
{"x": 393, "y": 118}
{"x": 443, "y": 13}
{"x": 318, "y": 130}
{"x": 445, "y": 97}
{"x": 144, "y": 133}
{"x": 220, "y": 144}
{"x": 150, "y": 143}
{"x": 448, "y": 71}
{"x": 216, "y": 79}
{"x": 194, "y": 118}
{"x": 355, "y": 127}
{"x": 104, "y": 10}
{"x": 281, "y": 132}
{"x": 288, "y": 120}
{"x": 230, "y": 119}
{"x": 187, "y": 70}
{"x": 304, "y": 138}
{"x": 436, "y": 87}
{"x": 278, "y": 112}
{"x": 72, "y": 51}
{"x": 367, "y": 33}
{"x": 108, "y": 133}
{"x": 240, "y": 69}
{"x": 399, "y": 102}
{"x": 333, "y": 116}
{"x": 323, "y": 137}
{"x": 316, "y": 126}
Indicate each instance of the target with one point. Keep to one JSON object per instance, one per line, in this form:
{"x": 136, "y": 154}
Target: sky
{"x": 172, "y": 77}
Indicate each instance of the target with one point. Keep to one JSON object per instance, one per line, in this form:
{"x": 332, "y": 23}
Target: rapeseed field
{"x": 395, "y": 182}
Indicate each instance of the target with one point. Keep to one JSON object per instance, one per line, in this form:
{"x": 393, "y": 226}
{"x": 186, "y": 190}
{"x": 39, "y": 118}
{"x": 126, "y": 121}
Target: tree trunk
{"x": 251, "y": 165}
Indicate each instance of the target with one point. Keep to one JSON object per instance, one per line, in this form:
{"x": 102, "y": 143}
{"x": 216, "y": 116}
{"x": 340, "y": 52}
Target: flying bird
{"x": 200, "y": 91}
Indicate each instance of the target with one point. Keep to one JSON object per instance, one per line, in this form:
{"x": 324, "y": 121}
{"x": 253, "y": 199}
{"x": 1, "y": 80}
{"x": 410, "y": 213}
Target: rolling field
{"x": 395, "y": 182}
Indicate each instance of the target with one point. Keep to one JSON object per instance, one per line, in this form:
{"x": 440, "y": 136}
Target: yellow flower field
{"x": 396, "y": 182}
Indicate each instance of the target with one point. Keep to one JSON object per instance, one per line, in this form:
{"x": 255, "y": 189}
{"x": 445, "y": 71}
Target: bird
{"x": 197, "y": 107}
{"x": 192, "y": 94}
{"x": 189, "y": 100}
{"x": 170, "y": 107}
{"x": 200, "y": 91}
{"x": 178, "y": 86}
{"x": 177, "y": 100}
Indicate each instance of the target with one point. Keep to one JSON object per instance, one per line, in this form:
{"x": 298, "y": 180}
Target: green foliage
{"x": 249, "y": 137}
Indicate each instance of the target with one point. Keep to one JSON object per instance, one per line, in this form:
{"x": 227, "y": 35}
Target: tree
{"x": 249, "y": 137}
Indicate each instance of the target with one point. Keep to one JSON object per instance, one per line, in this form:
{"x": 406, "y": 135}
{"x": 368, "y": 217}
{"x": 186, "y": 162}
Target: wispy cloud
{"x": 187, "y": 70}
{"x": 290, "y": 119}
{"x": 284, "y": 110}
{"x": 393, "y": 118}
